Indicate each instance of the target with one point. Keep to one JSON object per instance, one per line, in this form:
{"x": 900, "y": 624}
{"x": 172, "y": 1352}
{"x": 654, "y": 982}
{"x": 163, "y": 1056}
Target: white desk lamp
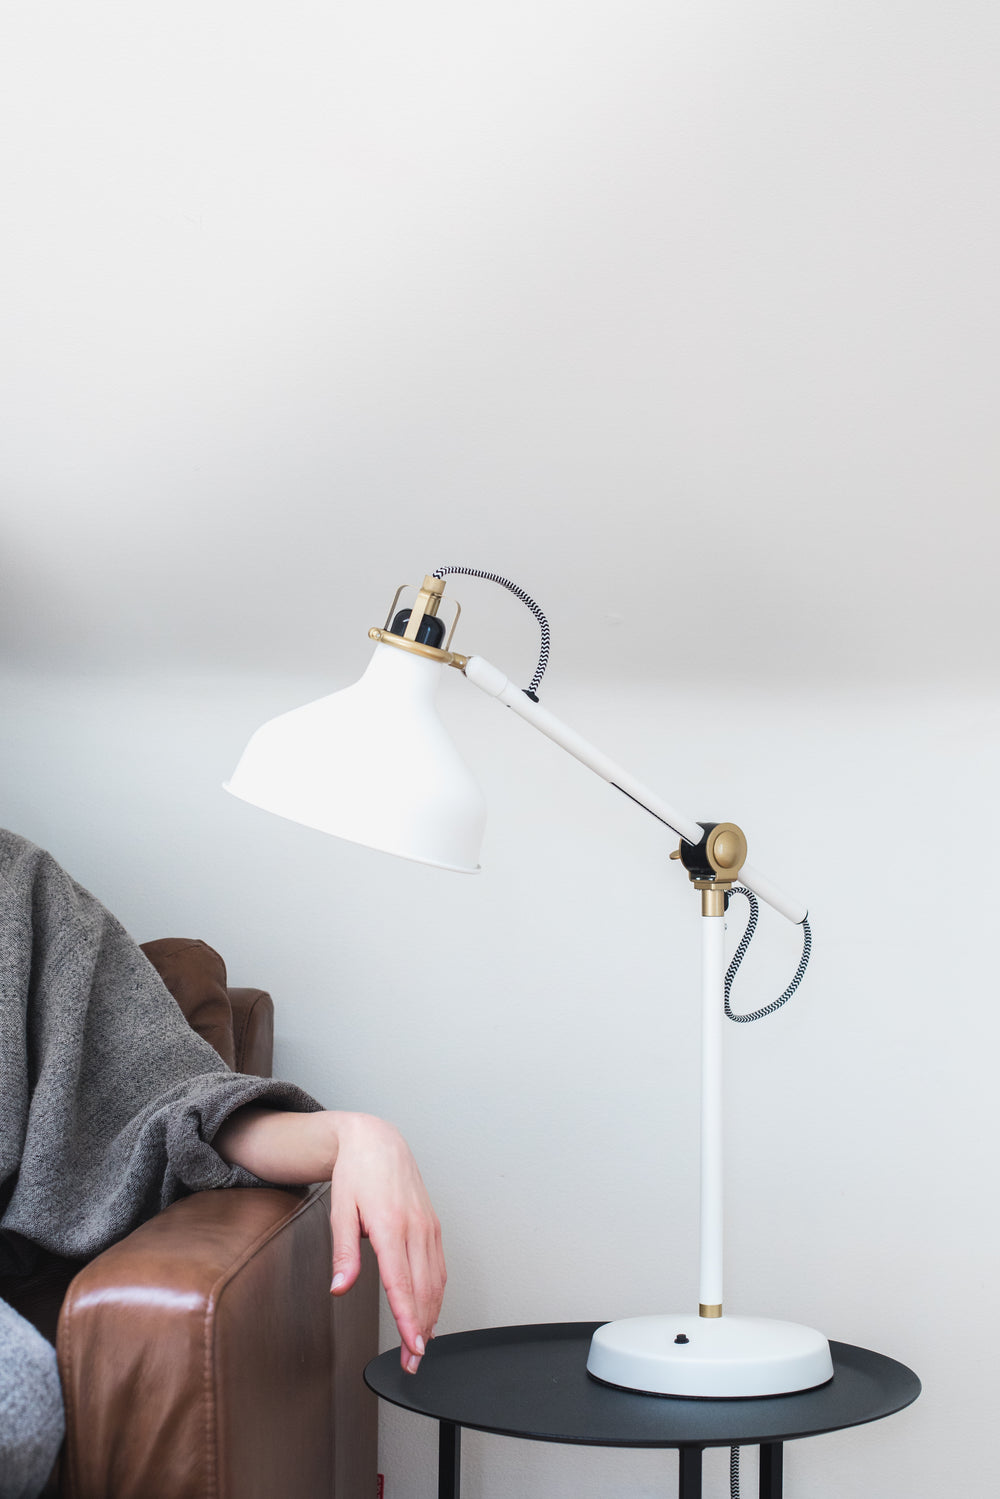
{"x": 374, "y": 764}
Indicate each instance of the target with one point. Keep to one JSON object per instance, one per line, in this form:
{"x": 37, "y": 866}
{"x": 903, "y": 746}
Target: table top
{"x": 532, "y": 1382}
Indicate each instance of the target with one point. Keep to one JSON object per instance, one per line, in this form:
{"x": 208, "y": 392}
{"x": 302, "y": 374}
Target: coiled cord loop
{"x": 741, "y": 952}
{"x": 519, "y": 593}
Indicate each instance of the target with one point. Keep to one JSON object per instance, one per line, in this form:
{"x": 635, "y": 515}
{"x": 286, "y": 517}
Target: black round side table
{"x": 532, "y": 1382}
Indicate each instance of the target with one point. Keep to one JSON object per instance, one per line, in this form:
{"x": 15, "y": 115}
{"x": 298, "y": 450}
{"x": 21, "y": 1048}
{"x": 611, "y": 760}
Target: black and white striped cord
{"x": 519, "y": 593}
{"x": 741, "y": 952}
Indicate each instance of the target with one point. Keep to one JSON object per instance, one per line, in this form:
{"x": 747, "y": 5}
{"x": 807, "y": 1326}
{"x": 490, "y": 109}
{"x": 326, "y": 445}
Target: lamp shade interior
{"x": 373, "y": 764}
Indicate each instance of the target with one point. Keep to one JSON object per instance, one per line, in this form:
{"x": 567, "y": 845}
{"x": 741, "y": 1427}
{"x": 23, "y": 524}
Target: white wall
{"x": 685, "y": 317}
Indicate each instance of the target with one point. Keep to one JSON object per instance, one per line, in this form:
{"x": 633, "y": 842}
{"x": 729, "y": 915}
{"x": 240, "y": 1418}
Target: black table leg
{"x": 690, "y": 1473}
{"x": 771, "y": 1462}
{"x": 449, "y": 1461}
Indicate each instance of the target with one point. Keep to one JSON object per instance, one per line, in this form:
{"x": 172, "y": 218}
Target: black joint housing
{"x": 694, "y": 856}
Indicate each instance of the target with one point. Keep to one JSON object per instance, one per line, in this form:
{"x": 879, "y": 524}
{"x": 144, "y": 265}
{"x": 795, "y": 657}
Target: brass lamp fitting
{"x": 714, "y": 863}
{"x": 428, "y": 602}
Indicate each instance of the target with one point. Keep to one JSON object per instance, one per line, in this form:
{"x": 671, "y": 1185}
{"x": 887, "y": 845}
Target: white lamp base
{"x": 717, "y": 1358}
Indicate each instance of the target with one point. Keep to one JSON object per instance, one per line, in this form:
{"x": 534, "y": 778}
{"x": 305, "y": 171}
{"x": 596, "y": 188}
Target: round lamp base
{"x": 709, "y": 1358}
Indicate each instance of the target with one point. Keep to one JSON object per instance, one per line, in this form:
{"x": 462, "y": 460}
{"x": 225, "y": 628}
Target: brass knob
{"x": 727, "y": 849}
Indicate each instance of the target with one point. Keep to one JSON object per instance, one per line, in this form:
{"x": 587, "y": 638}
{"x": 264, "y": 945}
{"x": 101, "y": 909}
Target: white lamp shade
{"x": 373, "y": 764}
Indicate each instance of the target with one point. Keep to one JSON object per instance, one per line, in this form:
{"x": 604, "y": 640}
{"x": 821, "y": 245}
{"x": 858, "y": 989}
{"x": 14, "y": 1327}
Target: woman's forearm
{"x": 281, "y": 1147}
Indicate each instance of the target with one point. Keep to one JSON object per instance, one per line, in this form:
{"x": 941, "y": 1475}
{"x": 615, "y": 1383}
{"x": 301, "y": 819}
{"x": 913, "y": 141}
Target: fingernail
{"x": 421, "y": 1346}
{"x": 414, "y": 1364}
{"x": 338, "y": 1280}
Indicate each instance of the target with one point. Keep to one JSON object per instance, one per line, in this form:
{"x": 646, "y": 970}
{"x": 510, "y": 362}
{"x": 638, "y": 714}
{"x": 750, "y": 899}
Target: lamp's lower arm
{"x": 755, "y": 881}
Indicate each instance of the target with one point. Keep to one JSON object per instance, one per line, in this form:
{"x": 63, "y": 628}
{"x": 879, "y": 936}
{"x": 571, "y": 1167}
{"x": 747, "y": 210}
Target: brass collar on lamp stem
{"x": 713, "y": 896}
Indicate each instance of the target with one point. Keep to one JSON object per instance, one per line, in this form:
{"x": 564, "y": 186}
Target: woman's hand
{"x": 376, "y": 1191}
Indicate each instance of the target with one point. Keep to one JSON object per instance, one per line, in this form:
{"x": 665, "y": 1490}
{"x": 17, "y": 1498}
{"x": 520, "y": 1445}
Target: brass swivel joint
{"x": 714, "y": 864}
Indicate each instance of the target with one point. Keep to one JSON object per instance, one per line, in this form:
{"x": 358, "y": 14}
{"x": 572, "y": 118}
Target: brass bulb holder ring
{"x": 429, "y": 652}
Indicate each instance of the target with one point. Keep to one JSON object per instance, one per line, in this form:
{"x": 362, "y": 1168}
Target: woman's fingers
{"x": 428, "y": 1275}
{"x": 394, "y": 1269}
{"x": 413, "y": 1273}
{"x": 346, "y": 1230}
{"x": 377, "y": 1190}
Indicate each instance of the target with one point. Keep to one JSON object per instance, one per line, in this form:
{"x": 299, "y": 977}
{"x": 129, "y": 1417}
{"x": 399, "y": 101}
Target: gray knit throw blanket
{"x": 109, "y": 1101}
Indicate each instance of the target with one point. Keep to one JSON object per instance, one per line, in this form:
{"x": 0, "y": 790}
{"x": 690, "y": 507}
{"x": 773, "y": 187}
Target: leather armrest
{"x": 253, "y": 1030}
{"x": 203, "y": 1355}
{"x": 196, "y": 976}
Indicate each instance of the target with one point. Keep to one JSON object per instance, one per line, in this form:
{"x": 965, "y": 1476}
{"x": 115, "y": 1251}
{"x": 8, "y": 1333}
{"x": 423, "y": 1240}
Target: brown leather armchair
{"x": 203, "y": 1357}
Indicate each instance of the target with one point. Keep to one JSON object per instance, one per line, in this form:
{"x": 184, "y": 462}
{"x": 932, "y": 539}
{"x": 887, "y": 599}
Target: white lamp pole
{"x": 713, "y": 977}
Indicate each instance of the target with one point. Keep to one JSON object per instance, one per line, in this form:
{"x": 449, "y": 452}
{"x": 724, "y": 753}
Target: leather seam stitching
{"x": 208, "y": 1390}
